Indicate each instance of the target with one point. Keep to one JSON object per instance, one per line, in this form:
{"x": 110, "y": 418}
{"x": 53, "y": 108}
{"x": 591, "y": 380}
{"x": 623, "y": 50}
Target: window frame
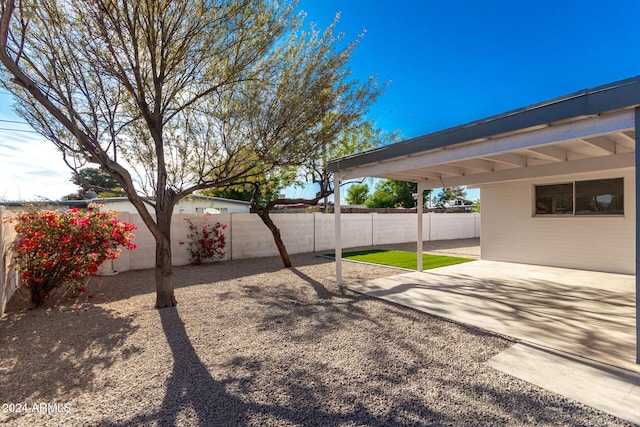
{"x": 573, "y": 213}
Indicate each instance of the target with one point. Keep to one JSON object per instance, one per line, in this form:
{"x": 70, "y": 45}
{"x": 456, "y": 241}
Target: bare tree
{"x": 159, "y": 93}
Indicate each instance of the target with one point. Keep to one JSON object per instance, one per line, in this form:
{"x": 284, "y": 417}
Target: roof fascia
{"x": 589, "y": 102}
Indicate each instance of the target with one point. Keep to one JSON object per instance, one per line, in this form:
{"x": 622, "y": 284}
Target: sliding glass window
{"x": 554, "y": 199}
{"x": 594, "y": 197}
{"x": 600, "y": 197}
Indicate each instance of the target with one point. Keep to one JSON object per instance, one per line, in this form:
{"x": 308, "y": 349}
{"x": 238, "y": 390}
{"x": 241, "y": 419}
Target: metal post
{"x": 338, "y": 228}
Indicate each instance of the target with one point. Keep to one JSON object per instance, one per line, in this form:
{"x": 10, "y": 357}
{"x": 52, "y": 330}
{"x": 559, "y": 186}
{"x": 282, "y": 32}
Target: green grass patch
{"x": 401, "y": 259}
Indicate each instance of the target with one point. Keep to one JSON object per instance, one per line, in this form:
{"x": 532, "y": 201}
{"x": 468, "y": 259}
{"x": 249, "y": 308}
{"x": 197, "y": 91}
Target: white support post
{"x": 338, "y": 228}
{"x": 420, "y": 210}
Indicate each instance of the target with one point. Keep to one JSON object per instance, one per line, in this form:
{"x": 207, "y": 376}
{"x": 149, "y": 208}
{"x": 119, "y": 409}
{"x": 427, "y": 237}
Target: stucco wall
{"x": 511, "y": 233}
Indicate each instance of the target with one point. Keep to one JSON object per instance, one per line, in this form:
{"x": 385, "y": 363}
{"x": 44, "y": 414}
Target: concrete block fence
{"x": 248, "y": 237}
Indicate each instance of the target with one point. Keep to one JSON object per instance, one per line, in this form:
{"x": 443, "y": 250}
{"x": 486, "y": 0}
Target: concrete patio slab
{"x": 585, "y": 313}
{"x": 580, "y": 324}
{"x": 607, "y": 388}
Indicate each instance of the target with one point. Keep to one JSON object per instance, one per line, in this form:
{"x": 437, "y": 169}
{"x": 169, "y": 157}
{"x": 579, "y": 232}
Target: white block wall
{"x": 356, "y": 231}
{"x": 511, "y": 233}
{"x": 144, "y": 256}
{"x": 397, "y": 228}
{"x": 452, "y": 226}
{"x": 252, "y": 238}
{"x": 248, "y": 237}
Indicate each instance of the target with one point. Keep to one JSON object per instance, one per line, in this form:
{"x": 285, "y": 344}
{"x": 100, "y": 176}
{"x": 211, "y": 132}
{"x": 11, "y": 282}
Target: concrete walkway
{"x": 573, "y": 317}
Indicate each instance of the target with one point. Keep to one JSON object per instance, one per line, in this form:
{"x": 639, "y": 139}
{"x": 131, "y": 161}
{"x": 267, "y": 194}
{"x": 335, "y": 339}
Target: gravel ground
{"x": 251, "y": 343}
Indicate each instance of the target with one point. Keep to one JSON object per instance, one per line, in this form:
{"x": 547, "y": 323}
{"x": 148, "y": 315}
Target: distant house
{"x": 189, "y": 205}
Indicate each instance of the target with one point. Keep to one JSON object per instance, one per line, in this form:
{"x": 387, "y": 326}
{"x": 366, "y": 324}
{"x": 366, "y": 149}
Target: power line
{"x": 18, "y": 130}
{"x": 14, "y": 121}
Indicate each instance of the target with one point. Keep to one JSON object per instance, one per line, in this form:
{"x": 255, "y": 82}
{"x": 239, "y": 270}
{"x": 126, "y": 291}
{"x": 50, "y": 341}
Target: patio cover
{"x": 586, "y": 131}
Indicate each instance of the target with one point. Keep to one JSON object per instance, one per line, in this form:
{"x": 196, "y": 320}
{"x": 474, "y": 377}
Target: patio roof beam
{"x": 448, "y": 169}
{"x": 590, "y": 164}
{"x": 550, "y": 152}
{"x": 605, "y": 146}
{"x": 508, "y": 159}
{"x": 477, "y": 164}
{"x": 624, "y": 137}
{"x": 588, "y": 103}
{"x": 590, "y": 127}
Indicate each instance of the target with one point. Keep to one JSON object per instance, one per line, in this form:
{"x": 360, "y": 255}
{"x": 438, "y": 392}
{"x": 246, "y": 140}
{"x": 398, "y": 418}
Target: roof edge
{"x": 612, "y": 96}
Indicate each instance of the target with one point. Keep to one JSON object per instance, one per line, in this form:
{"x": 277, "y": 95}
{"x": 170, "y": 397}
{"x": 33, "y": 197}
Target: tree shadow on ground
{"x": 396, "y": 363}
{"x": 128, "y": 284}
{"x": 297, "y": 396}
{"x": 190, "y": 386}
{"x": 44, "y": 362}
{"x": 588, "y": 321}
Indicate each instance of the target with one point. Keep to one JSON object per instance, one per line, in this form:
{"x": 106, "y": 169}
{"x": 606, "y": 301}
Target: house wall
{"x": 511, "y": 233}
{"x": 184, "y": 207}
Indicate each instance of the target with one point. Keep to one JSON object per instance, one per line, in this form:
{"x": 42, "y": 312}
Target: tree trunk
{"x": 164, "y": 270}
{"x": 276, "y": 237}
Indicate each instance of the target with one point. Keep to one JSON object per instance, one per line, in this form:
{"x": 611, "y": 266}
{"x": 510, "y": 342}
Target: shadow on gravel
{"x": 321, "y": 291}
{"x": 194, "y": 397}
{"x": 44, "y": 362}
{"x": 190, "y": 388}
{"x": 139, "y": 282}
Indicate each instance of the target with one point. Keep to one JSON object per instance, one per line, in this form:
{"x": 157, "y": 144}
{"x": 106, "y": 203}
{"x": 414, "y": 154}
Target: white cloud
{"x": 31, "y": 168}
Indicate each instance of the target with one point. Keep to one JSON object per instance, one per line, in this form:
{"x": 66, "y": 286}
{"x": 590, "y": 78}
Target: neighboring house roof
{"x": 84, "y": 203}
{"x": 45, "y": 203}
{"x": 192, "y": 196}
{"x": 597, "y": 122}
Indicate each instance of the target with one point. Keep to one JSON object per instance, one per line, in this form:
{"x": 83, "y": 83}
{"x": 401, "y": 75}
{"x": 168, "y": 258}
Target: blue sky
{"x": 447, "y": 63}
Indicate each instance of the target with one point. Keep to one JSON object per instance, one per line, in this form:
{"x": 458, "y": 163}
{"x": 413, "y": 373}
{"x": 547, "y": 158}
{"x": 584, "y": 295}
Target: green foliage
{"x": 448, "y": 194}
{"x": 234, "y": 193}
{"x": 391, "y": 193}
{"x": 173, "y": 97}
{"x": 357, "y": 194}
{"x": 94, "y": 179}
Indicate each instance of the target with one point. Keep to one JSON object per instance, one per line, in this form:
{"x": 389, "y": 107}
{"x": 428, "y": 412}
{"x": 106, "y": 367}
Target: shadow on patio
{"x": 589, "y": 314}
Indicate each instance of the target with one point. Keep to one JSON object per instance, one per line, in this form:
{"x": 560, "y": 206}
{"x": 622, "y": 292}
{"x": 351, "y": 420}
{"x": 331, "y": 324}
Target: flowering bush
{"x": 55, "y": 248}
{"x": 206, "y": 242}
